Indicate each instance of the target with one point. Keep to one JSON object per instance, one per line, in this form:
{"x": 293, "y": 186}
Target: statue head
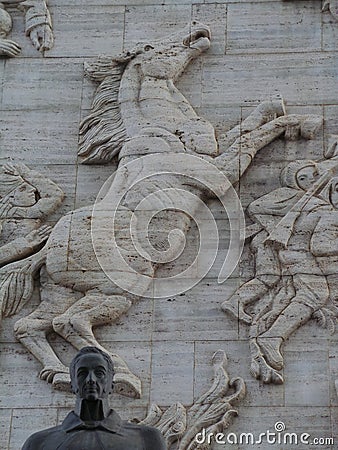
{"x": 300, "y": 174}
{"x": 16, "y": 190}
{"x": 91, "y": 373}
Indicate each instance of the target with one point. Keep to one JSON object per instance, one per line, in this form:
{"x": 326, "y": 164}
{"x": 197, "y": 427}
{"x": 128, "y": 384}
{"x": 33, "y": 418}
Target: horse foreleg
{"x": 240, "y": 154}
{"x": 263, "y": 113}
{"x": 76, "y": 324}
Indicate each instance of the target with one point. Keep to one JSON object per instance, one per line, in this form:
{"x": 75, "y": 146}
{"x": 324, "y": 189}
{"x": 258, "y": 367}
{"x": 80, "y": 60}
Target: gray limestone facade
{"x": 169, "y": 194}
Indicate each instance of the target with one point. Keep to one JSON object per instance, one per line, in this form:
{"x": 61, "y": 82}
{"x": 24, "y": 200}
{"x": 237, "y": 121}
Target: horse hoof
{"x": 61, "y": 382}
{"x": 255, "y": 369}
{"x": 49, "y": 373}
{"x": 310, "y": 126}
{"x": 128, "y": 385}
{"x": 270, "y": 348}
{"x": 272, "y": 108}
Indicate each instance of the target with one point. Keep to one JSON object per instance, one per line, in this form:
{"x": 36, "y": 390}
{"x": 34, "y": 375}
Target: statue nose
{"x": 91, "y": 378}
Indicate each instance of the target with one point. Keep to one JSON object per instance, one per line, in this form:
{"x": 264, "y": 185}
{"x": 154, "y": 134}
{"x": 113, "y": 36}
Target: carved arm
{"x": 38, "y": 23}
{"x": 23, "y": 246}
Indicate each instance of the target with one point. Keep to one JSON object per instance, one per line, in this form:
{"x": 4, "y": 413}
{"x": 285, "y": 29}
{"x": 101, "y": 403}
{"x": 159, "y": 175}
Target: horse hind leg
{"x": 76, "y": 326}
{"x": 32, "y": 330}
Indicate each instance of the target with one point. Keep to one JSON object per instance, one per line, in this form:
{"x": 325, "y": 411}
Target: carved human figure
{"x": 309, "y": 264}
{"x": 93, "y": 424}
{"x": 137, "y": 111}
{"x": 38, "y": 26}
{"x": 266, "y": 212}
{"x": 296, "y": 178}
{"x": 27, "y": 198}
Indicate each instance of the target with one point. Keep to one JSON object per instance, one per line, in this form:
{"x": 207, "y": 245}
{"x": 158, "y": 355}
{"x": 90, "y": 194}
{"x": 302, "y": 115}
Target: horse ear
{"x": 105, "y": 66}
{"x": 100, "y": 69}
{"x": 125, "y": 57}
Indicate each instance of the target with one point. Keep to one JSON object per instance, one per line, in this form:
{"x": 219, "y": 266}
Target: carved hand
{"x": 36, "y": 237}
{"x": 10, "y": 169}
{"x": 42, "y": 37}
{"x": 9, "y": 48}
{"x": 16, "y": 169}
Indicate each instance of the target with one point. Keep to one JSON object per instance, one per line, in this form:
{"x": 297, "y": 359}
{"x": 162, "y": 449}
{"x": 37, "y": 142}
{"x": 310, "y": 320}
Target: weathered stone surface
{"x": 211, "y": 413}
{"x": 59, "y": 87}
{"x": 286, "y": 26}
{"x": 258, "y": 49}
{"x": 77, "y": 36}
{"x": 295, "y": 76}
{"x": 163, "y": 389}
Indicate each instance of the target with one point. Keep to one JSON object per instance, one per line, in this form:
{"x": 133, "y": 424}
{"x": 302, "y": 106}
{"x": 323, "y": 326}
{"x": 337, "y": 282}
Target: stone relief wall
{"x": 279, "y": 304}
{"x": 38, "y": 26}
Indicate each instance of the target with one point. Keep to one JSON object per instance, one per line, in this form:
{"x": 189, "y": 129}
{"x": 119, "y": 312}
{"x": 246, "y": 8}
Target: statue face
{"x": 24, "y": 195}
{"x": 306, "y": 177}
{"x": 92, "y": 377}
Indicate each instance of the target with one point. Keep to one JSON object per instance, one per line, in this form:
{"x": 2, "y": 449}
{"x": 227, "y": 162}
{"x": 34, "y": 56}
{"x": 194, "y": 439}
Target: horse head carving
{"x": 136, "y": 89}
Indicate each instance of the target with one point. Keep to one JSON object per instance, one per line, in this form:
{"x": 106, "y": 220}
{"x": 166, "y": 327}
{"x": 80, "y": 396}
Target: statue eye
{"x": 148, "y": 47}
{"x": 82, "y": 373}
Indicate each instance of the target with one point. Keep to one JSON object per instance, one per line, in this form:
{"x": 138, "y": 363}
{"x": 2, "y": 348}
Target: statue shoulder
{"x": 152, "y": 437}
{"x": 38, "y": 440}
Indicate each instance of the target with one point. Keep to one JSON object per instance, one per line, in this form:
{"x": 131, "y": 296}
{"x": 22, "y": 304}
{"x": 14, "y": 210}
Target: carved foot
{"x": 270, "y": 348}
{"x": 265, "y": 112}
{"x": 272, "y": 108}
{"x": 127, "y": 384}
{"x": 49, "y": 372}
{"x": 236, "y": 310}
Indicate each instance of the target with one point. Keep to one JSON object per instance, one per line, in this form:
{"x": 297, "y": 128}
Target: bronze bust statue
{"x": 93, "y": 425}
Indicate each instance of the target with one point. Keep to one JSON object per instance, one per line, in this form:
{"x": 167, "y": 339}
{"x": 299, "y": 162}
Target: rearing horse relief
{"x": 137, "y": 111}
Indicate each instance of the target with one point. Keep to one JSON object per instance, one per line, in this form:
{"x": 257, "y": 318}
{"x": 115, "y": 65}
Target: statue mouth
{"x": 199, "y": 39}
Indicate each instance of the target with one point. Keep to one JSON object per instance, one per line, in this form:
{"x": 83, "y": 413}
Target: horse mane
{"x": 102, "y": 132}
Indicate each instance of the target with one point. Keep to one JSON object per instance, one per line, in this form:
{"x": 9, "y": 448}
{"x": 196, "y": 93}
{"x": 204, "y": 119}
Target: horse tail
{"x": 17, "y": 283}
{"x": 102, "y": 132}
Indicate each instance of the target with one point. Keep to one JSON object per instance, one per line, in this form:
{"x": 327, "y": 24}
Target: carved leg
{"x": 248, "y": 293}
{"x": 31, "y": 331}
{"x": 75, "y": 325}
{"x": 294, "y": 316}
